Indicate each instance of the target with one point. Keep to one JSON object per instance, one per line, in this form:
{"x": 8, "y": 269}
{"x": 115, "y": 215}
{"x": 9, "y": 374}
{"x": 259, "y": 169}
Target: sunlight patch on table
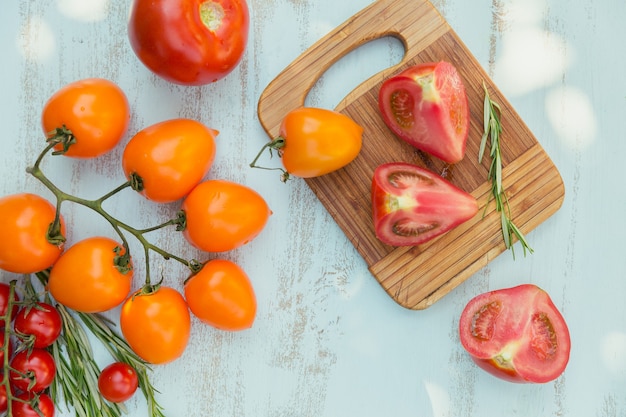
{"x": 614, "y": 353}
{"x": 572, "y": 116}
{"x": 439, "y": 399}
{"x": 36, "y": 41}
{"x": 84, "y": 11}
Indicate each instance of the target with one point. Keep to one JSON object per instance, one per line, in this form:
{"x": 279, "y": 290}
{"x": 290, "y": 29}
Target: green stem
{"x": 274, "y": 145}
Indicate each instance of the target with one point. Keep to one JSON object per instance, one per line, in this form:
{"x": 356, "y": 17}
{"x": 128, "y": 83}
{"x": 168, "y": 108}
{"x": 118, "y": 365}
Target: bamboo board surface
{"x": 416, "y": 277}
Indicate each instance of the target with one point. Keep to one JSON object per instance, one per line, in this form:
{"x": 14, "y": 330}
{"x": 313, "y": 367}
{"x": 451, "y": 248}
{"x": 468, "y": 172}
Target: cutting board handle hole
{"x": 358, "y": 65}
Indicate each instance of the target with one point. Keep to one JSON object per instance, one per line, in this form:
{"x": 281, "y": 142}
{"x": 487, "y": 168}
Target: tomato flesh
{"x": 426, "y": 105}
{"x": 411, "y": 205}
{"x": 516, "y": 334}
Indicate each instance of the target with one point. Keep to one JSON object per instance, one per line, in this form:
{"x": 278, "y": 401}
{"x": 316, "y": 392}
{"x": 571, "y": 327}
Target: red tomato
{"x": 118, "y": 382}
{"x": 156, "y": 325}
{"x": 25, "y": 247}
{"x": 170, "y": 158}
{"x": 516, "y": 334}
{"x": 4, "y": 400}
{"x": 223, "y": 215}
{"x": 412, "y": 205}
{"x": 3, "y": 339}
{"x": 23, "y": 405}
{"x": 41, "y": 321}
{"x": 32, "y": 371}
{"x": 92, "y": 276}
{"x": 426, "y": 105}
{"x": 95, "y": 111}
{"x": 189, "y": 42}
{"x": 221, "y": 295}
{"x": 5, "y": 293}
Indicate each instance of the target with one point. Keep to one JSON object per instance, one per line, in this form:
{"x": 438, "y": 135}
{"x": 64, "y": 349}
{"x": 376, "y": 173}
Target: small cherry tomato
{"x": 22, "y": 405}
{"x": 28, "y": 245}
{"x": 223, "y": 215}
{"x": 92, "y": 276}
{"x": 10, "y": 348}
{"x": 221, "y": 295}
{"x": 516, "y": 334}
{"x": 94, "y": 110}
{"x": 156, "y": 325}
{"x": 314, "y": 142}
{"x": 32, "y": 371}
{"x": 41, "y": 321}
{"x": 118, "y": 382}
{"x": 168, "y": 159}
{"x": 189, "y": 42}
{"x": 4, "y": 399}
{"x": 5, "y": 293}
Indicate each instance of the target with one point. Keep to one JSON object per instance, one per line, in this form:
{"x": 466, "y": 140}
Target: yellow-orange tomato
{"x": 91, "y": 276}
{"x": 223, "y": 215}
{"x": 24, "y": 221}
{"x": 156, "y": 325}
{"x": 221, "y": 295}
{"x": 95, "y": 110}
{"x": 169, "y": 158}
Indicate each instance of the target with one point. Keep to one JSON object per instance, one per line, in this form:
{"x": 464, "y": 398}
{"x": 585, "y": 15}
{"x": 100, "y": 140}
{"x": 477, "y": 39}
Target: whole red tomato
{"x": 5, "y": 293}
{"x": 41, "y": 321}
{"x": 94, "y": 110}
{"x": 189, "y": 42}
{"x": 26, "y": 246}
{"x": 516, "y": 334}
{"x": 4, "y": 399}
{"x": 92, "y": 276}
{"x": 118, "y": 382}
{"x": 32, "y": 371}
{"x": 22, "y": 406}
{"x": 156, "y": 325}
{"x": 221, "y": 295}
{"x": 169, "y": 158}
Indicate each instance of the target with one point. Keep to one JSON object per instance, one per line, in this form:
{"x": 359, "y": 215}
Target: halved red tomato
{"x": 426, "y": 106}
{"x": 412, "y": 205}
{"x": 516, "y": 334}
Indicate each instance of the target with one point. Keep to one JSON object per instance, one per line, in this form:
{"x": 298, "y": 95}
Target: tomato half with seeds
{"x": 412, "y": 205}
{"x": 166, "y": 160}
{"x": 516, "y": 334}
{"x": 32, "y": 371}
{"x": 189, "y": 42}
{"x": 223, "y": 215}
{"x": 92, "y": 114}
{"x": 41, "y": 321}
{"x": 92, "y": 276}
{"x": 156, "y": 324}
{"x": 28, "y": 243}
{"x": 426, "y": 105}
{"x": 221, "y": 295}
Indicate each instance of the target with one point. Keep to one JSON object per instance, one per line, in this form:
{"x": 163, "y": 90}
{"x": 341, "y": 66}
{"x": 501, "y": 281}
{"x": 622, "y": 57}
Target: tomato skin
{"x": 94, "y": 109}
{"x": 21, "y": 407}
{"x": 118, "y": 382}
{"x": 223, "y": 215}
{"x": 156, "y": 325}
{"x": 221, "y": 295}
{"x": 42, "y": 321}
{"x": 4, "y": 399}
{"x": 426, "y": 105}
{"x": 171, "y": 158}
{"x": 318, "y": 141}
{"x": 172, "y": 40}
{"x": 5, "y": 292}
{"x": 38, "y": 361}
{"x": 24, "y": 221}
{"x": 86, "y": 279}
{"x": 516, "y": 334}
{"x": 411, "y": 205}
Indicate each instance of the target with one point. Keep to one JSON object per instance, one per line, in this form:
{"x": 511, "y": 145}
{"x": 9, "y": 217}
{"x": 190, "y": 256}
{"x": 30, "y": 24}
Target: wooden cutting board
{"x": 416, "y": 277}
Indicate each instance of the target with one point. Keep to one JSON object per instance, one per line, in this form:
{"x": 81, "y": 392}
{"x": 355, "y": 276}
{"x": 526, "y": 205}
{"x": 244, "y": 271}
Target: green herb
{"x": 492, "y": 130}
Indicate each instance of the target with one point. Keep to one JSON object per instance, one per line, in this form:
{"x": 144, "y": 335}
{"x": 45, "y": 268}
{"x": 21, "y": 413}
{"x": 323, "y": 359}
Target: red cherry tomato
{"x": 32, "y": 371}
{"x": 95, "y": 110}
{"x": 4, "y": 399}
{"x": 189, "y": 42}
{"x": 426, "y": 105}
{"x": 23, "y": 405}
{"x": 516, "y": 334}
{"x": 412, "y": 205}
{"x": 5, "y": 293}
{"x": 42, "y": 321}
{"x": 25, "y": 247}
{"x": 170, "y": 158}
{"x": 221, "y": 295}
{"x": 118, "y": 382}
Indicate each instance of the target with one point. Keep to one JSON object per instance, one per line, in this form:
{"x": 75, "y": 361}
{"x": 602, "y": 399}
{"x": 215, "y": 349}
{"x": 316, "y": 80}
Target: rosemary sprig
{"x": 492, "y": 128}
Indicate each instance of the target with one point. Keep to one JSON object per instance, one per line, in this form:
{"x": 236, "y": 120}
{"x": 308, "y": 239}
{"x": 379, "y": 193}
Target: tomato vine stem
{"x": 275, "y": 144}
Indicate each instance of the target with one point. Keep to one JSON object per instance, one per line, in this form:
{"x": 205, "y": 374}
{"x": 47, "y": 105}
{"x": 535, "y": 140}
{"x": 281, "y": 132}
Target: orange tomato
{"x": 156, "y": 325}
{"x": 223, "y": 215}
{"x": 95, "y": 110}
{"x": 24, "y": 220}
{"x": 170, "y": 158}
{"x": 221, "y": 295}
{"x": 90, "y": 276}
